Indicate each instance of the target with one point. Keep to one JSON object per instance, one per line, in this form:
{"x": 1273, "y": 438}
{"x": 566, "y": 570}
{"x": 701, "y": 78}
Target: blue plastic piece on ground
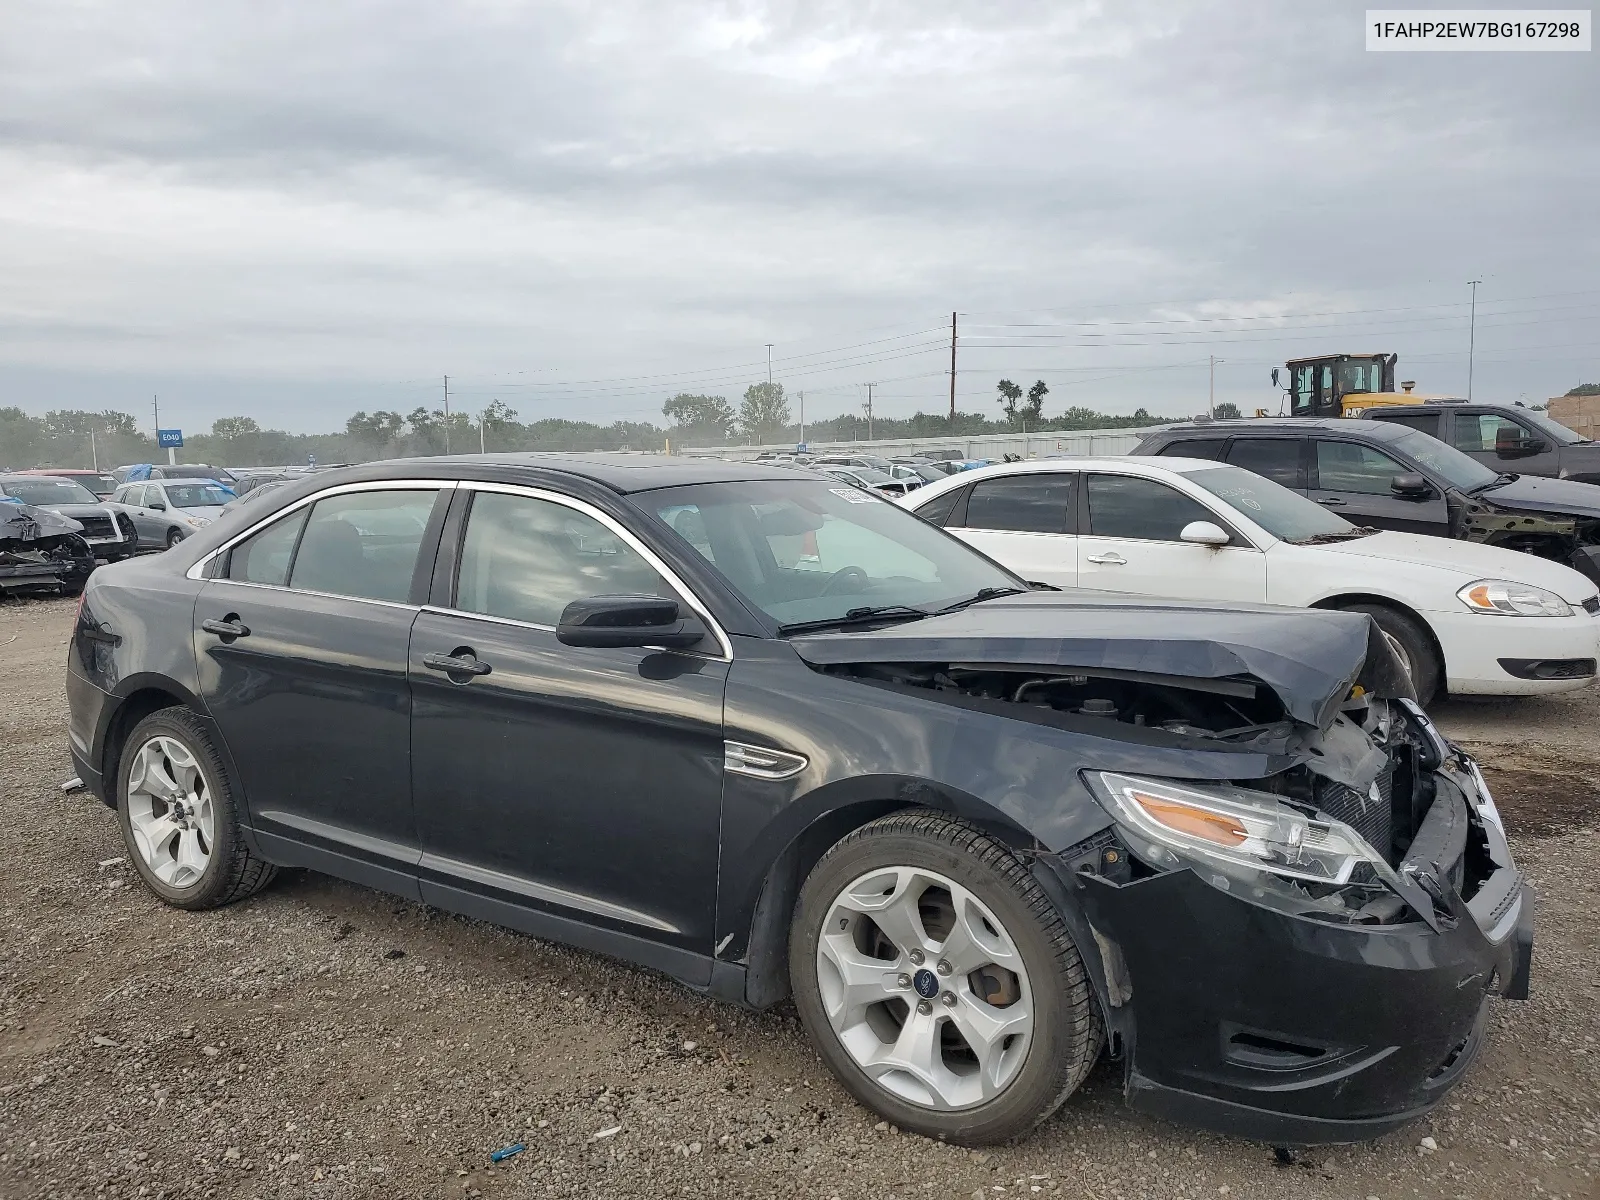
{"x": 502, "y": 1155}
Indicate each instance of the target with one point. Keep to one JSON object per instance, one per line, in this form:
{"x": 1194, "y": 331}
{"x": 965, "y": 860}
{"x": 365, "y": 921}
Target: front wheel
{"x": 1411, "y": 645}
{"x": 173, "y": 538}
{"x": 939, "y": 982}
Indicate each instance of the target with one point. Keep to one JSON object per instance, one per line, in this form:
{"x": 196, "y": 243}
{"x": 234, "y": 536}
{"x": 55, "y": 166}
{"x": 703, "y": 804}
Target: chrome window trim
{"x": 621, "y": 531}
{"x": 276, "y": 587}
{"x": 197, "y": 571}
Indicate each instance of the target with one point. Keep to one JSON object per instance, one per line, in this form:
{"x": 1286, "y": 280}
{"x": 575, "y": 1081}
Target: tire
{"x": 1037, "y": 1054}
{"x": 163, "y": 848}
{"x": 1415, "y": 647}
{"x": 173, "y": 538}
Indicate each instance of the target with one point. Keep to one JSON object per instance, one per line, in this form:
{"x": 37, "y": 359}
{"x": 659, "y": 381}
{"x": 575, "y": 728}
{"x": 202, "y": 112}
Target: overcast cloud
{"x": 294, "y": 210}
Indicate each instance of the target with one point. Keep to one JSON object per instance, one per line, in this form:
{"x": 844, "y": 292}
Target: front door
{"x": 1132, "y": 544}
{"x": 1503, "y": 443}
{"x": 1354, "y": 480}
{"x": 301, "y": 647}
{"x": 1024, "y": 522}
{"x": 566, "y": 791}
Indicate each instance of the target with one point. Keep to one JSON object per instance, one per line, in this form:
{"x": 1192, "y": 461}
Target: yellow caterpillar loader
{"x": 1344, "y": 385}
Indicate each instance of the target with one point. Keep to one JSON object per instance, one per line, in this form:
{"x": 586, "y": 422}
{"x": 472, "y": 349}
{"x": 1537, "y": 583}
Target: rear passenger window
{"x": 1277, "y": 459}
{"x": 1021, "y": 503}
{"x": 264, "y": 557}
{"x": 363, "y": 544}
{"x": 527, "y": 559}
{"x": 1195, "y": 448}
{"x": 1427, "y": 423}
{"x": 1122, "y": 506}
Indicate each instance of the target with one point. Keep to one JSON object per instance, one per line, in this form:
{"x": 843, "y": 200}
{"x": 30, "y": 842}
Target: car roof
{"x": 621, "y": 472}
{"x": 1359, "y": 426}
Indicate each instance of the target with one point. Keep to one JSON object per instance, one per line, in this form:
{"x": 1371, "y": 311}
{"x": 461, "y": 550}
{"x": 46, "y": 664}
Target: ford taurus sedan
{"x": 773, "y": 735}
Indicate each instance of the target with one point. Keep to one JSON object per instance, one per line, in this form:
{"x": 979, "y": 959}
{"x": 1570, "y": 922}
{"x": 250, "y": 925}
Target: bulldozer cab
{"x": 1335, "y": 385}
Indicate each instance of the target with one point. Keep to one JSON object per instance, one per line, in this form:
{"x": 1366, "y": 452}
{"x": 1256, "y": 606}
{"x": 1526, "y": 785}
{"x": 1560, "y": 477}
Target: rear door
{"x": 302, "y": 646}
{"x": 1280, "y": 459}
{"x": 1025, "y": 522}
{"x": 1131, "y": 544}
{"x": 1353, "y": 479}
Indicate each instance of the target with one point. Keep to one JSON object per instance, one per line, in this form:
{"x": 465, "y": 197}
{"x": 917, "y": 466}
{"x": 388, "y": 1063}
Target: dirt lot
{"x": 326, "y": 1041}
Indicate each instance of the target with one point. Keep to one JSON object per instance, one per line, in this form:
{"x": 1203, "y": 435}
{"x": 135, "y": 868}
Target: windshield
{"x": 195, "y": 495}
{"x": 808, "y": 550}
{"x": 1552, "y": 428}
{"x": 1458, "y": 469}
{"x": 47, "y": 492}
{"x": 866, "y": 474}
{"x": 1286, "y": 515}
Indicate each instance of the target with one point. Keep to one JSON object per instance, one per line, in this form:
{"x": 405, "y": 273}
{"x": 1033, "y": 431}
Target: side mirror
{"x": 1410, "y": 486}
{"x": 1274, "y": 376}
{"x": 1526, "y": 448}
{"x": 1204, "y": 533}
{"x": 628, "y": 620}
{"x": 159, "y": 505}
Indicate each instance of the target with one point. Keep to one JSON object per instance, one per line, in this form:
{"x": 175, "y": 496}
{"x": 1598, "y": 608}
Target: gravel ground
{"x": 323, "y": 1040}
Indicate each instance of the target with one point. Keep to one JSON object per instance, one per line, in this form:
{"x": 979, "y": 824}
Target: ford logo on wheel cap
{"x": 926, "y": 983}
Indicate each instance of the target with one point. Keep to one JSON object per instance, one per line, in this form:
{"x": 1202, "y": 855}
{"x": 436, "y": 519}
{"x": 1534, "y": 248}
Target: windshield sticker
{"x": 853, "y": 495}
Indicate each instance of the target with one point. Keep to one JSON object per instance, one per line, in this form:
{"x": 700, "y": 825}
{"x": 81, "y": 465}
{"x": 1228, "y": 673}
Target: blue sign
{"x": 802, "y": 448}
{"x": 169, "y": 438}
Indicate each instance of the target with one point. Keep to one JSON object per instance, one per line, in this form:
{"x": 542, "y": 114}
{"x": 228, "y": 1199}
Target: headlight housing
{"x": 1500, "y": 597}
{"x": 1236, "y": 827}
{"x": 198, "y": 522}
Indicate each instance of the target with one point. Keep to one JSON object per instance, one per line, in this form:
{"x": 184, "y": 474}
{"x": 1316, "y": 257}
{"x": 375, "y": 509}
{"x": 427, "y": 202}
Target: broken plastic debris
{"x": 605, "y": 1133}
{"x": 111, "y": 862}
{"x": 506, "y": 1152}
{"x": 72, "y": 785}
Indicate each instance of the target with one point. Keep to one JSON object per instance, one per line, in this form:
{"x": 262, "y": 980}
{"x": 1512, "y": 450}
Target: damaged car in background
{"x": 41, "y": 552}
{"x": 774, "y": 736}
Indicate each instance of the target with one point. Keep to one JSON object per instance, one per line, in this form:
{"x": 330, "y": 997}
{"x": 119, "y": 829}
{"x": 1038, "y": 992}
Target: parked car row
{"x": 774, "y": 736}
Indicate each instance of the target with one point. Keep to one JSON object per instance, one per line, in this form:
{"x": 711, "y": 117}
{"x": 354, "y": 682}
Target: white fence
{"x": 993, "y": 446}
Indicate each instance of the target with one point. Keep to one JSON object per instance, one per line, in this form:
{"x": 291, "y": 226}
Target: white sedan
{"x": 1472, "y": 619}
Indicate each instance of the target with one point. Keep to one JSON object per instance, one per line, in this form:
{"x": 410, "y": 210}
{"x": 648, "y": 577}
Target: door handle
{"x": 1332, "y": 502}
{"x": 1109, "y": 559}
{"x": 228, "y": 628}
{"x": 462, "y": 662}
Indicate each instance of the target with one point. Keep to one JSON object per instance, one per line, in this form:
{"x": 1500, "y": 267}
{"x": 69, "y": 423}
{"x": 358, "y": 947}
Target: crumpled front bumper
{"x": 1294, "y": 1031}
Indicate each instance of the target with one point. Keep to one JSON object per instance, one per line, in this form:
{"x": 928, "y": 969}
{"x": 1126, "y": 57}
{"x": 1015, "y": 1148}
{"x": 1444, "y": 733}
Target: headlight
{"x": 1512, "y": 599}
{"x": 198, "y": 522}
{"x": 1232, "y": 826}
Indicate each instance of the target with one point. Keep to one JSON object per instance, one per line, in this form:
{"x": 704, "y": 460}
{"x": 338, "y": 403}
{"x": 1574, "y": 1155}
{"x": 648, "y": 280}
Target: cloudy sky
{"x": 293, "y": 210}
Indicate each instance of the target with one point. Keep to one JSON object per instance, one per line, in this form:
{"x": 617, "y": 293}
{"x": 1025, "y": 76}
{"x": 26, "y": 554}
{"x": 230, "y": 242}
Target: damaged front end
{"x": 1302, "y": 896}
{"x": 41, "y": 552}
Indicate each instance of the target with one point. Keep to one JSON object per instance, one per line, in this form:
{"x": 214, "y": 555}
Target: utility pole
{"x": 94, "y": 454}
{"x": 869, "y": 411}
{"x": 1472, "y": 332}
{"x": 769, "y": 364}
{"x": 952, "y": 372}
{"x": 802, "y": 418}
{"x": 481, "y": 449}
{"x": 1211, "y": 395}
{"x": 447, "y": 413}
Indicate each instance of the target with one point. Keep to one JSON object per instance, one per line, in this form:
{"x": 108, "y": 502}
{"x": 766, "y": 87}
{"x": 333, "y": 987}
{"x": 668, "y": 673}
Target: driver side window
{"x": 1352, "y": 467}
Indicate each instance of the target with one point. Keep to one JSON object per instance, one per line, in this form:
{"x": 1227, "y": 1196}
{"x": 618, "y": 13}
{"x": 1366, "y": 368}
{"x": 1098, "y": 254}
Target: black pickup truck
{"x": 1503, "y": 437}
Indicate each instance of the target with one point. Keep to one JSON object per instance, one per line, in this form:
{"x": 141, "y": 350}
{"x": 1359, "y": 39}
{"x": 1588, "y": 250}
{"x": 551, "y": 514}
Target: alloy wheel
{"x": 170, "y": 812}
{"x": 924, "y": 988}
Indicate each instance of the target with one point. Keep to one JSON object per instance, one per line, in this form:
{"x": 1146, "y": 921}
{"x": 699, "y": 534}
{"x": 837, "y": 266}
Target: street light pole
{"x": 1211, "y": 396}
{"x": 1472, "y": 332}
{"x": 769, "y": 364}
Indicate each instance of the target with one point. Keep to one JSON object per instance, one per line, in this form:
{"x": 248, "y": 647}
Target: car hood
{"x": 1535, "y": 494}
{"x": 209, "y": 511}
{"x": 1309, "y": 658}
{"x": 24, "y": 522}
{"x": 1468, "y": 560}
{"x": 81, "y": 510}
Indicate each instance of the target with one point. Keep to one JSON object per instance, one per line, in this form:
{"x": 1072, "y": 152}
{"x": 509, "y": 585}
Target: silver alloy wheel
{"x": 170, "y": 811}
{"x": 924, "y": 988}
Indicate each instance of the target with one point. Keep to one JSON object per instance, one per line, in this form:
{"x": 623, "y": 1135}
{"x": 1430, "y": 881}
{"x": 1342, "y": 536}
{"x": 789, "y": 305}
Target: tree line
{"x": 71, "y": 438}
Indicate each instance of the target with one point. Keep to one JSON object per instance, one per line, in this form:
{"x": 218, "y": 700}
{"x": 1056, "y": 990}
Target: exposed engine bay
{"x": 41, "y": 552}
{"x": 1365, "y": 769}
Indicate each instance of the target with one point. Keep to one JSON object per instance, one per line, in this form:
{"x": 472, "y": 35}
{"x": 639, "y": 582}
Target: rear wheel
{"x": 1412, "y": 646}
{"x": 179, "y": 818}
{"x": 939, "y": 982}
